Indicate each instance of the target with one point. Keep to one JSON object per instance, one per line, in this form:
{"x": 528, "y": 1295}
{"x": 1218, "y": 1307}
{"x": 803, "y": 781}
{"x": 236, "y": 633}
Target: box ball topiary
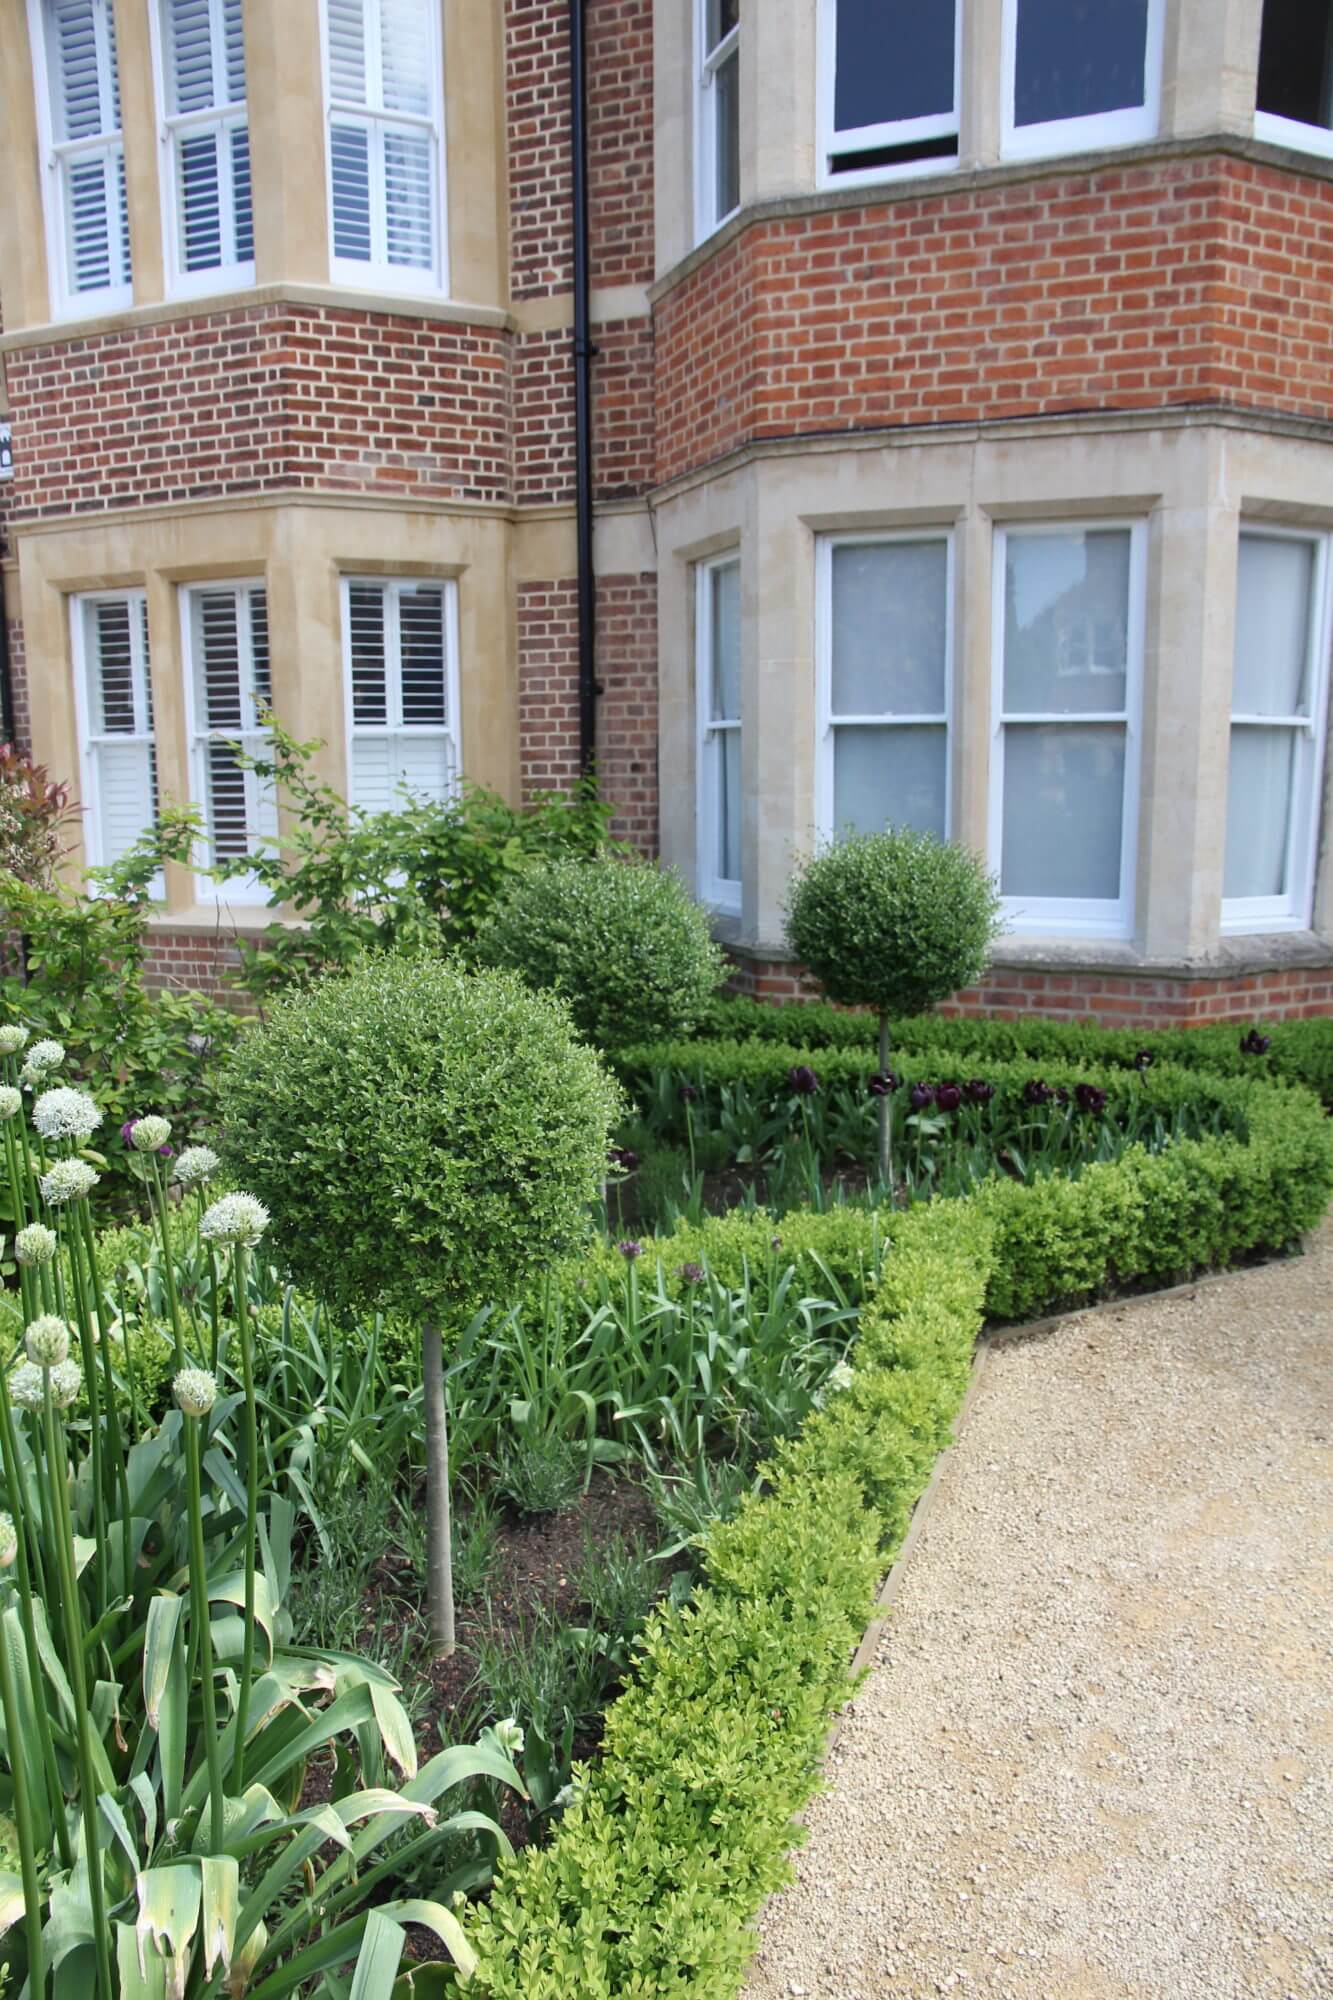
{"x": 623, "y": 942}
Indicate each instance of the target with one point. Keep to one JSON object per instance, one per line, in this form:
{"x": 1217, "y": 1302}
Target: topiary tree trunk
{"x": 439, "y": 1533}
{"x": 885, "y": 1111}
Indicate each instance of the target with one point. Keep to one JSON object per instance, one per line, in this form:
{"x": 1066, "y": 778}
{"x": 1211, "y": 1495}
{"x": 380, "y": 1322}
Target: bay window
{"x": 1080, "y": 74}
{"x": 114, "y": 705}
{"x": 384, "y": 92}
{"x": 401, "y": 655}
{"x": 78, "y": 95}
{"x": 1278, "y": 700}
{"x": 889, "y": 85}
{"x": 1067, "y": 651}
{"x": 717, "y": 643}
{"x": 207, "y": 143}
{"x": 228, "y": 692}
{"x": 717, "y": 113}
{"x": 884, "y": 651}
{"x": 1294, "y": 101}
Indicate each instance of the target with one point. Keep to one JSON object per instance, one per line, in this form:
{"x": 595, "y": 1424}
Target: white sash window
{"x": 717, "y": 645}
{"x": 229, "y": 690}
{"x": 1079, "y": 74}
{"x": 717, "y": 139}
{"x": 114, "y": 695}
{"x": 79, "y": 109}
{"x": 207, "y": 141}
{"x": 888, "y": 75}
{"x": 401, "y": 651}
{"x": 386, "y": 142}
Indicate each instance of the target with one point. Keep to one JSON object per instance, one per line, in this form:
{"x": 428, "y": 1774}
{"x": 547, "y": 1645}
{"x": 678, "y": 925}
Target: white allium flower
{"x": 36, "y": 1244}
{"x": 195, "y": 1391}
{"x": 65, "y": 1114}
{"x": 150, "y": 1134}
{"x": 25, "y": 1387}
{"x": 840, "y": 1377}
{"x": 236, "y": 1218}
{"x": 47, "y": 1341}
{"x": 11, "y": 1101}
{"x": 12, "y": 1038}
{"x": 509, "y": 1736}
{"x": 45, "y": 1055}
{"x": 68, "y": 1180}
{"x": 9, "y": 1540}
{"x": 196, "y": 1165}
{"x": 66, "y": 1382}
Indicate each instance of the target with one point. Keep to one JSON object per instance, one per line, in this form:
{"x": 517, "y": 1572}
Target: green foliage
{"x": 622, "y": 942}
{"x": 423, "y": 875}
{"x": 34, "y": 813}
{"x": 541, "y": 1474}
{"x": 422, "y": 1136}
{"x": 895, "y": 920}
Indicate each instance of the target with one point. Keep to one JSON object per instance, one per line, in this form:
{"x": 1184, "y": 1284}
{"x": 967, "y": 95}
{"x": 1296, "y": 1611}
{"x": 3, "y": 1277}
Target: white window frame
{"x": 410, "y": 280}
{"x": 172, "y": 127}
{"x": 1252, "y": 915}
{"x": 393, "y": 726}
{"x": 827, "y": 723}
{"x": 67, "y": 304}
{"x": 892, "y": 132}
{"x": 1131, "y": 125}
{"x": 1074, "y": 916}
{"x": 706, "y": 66}
{"x": 1296, "y": 132}
{"x": 718, "y": 892}
{"x": 245, "y": 889}
{"x": 90, "y": 741}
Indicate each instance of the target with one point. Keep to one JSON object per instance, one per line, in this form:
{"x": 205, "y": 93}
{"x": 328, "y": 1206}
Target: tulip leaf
{"x": 395, "y": 1729}
{"x": 378, "y": 1959}
{"x": 169, "y": 1903}
{"x": 11, "y": 1900}
{"x": 231, "y": 1590}
{"x": 139, "y": 1982}
{"x": 221, "y": 1882}
{"x": 434, "y": 1917}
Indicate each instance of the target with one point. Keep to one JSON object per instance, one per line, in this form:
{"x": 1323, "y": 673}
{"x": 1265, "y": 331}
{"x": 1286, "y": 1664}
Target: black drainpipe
{"x": 584, "y": 351}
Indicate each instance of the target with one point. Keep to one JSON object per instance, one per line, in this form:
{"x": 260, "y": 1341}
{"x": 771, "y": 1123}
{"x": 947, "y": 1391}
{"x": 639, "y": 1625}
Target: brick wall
{"x": 548, "y": 694}
{"x": 1198, "y": 281}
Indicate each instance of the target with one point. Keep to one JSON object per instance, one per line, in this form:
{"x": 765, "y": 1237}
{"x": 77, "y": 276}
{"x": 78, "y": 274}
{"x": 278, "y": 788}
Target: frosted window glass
{"x": 1064, "y": 794}
{"x": 725, "y": 636}
{"x": 1066, "y": 623}
{"x": 890, "y": 627}
{"x": 1272, "y": 626}
{"x": 889, "y": 777}
{"x": 1259, "y": 797}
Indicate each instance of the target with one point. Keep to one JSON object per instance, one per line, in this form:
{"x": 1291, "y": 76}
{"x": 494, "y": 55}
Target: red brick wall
{"x": 548, "y": 691}
{"x": 18, "y": 670}
{"x": 191, "y": 961}
{"x": 1116, "y": 1000}
{"x": 1196, "y": 281}
{"x": 261, "y": 399}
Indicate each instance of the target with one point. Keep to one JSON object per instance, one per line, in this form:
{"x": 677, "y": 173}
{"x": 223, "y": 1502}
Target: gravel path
{"x": 1095, "y": 1758}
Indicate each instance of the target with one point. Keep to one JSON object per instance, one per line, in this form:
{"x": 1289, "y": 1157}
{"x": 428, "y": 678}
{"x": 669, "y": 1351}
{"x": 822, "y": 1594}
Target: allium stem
{"x": 885, "y": 1107}
{"x": 13, "y": 1481}
{"x": 115, "y": 1439}
{"x": 95, "y": 1440}
{"x": 203, "y": 1633}
{"x": 251, "y": 1512}
{"x": 439, "y": 1546}
{"x": 160, "y": 1207}
{"x": 27, "y": 1833}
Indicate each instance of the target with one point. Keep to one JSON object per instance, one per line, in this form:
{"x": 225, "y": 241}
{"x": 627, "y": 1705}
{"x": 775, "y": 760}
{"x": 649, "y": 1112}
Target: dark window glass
{"x": 1075, "y": 58}
{"x": 894, "y": 59}
{"x": 1296, "y": 61}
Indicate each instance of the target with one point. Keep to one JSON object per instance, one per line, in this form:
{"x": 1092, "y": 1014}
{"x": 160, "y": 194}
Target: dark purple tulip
{"x": 882, "y": 1084}
{"x": 776, "y": 1244}
{"x": 1037, "y": 1092}
{"x": 693, "y": 1274}
{"x": 802, "y": 1081}
{"x": 688, "y": 1093}
{"x": 949, "y": 1096}
{"x": 1062, "y": 1095}
{"x": 921, "y": 1095}
{"x": 979, "y": 1091}
{"x": 1144, "y": 1059}
{"x": 629, "y": 1250}
{"x": 1254, "y": 1044}
{"x": 625, "y": 1158}
{"x": 1091, "y": 1097}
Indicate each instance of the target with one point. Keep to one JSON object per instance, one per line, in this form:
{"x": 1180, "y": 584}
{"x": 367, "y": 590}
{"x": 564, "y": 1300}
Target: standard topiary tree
{"x": 424, "y": 1139}
{"x": 894, "y": 921}
{"x": 622, "y": 941}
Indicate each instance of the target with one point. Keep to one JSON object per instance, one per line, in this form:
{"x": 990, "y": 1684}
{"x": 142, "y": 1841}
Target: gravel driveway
{"x": 1095, "y": 1758}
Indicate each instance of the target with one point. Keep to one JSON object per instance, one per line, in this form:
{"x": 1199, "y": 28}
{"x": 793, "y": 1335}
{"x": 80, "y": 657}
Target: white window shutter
{"x": 403, "y": 730}
{"x": 229, "y": 628}
{"x": 204, "y": 54}
{"x": 384, "y": 133}
{"x": 89, "y": 161}
{"x": 118, "y": 717}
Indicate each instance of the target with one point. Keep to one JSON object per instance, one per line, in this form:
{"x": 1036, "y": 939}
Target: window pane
{"x": 365, "y": 613}
{"x": 1273, "y": 596}
{"x": 1064, "y": 802}
{"x": 1296, "y": 61}
{"x": 405, "y": 45}
{"x": 88, "y": 209}
{"x": 1259, "y": 797}
{"x": 111, "y": 659}
{"x": 727, "y": 750}
{"x": 407, "y": 199}
{"x": 1077, "y": 57}
{"x": 350, "y": 153}
{"x": 79, "y": 112}
{"x": 421, "y": 640}
{"x": 200, "y": 201}
{"x": 1066, "y": 623}
{"x": 347, "y": 50}
{"x": 725, "y": 637}
{"x": 727, "y": 139}
{"x": 890, "y": 628}
{"x": 894, "y": 60}
{"x": 240, "y": 189}
{"x": 889, "y": 777}
{"x": 190, "y": 55}
{"x": 723, "y": 16}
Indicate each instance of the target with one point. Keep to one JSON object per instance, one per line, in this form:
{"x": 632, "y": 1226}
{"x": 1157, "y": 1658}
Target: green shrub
{"x": 621, "y": 941}
{"x": 541, "y": 1474}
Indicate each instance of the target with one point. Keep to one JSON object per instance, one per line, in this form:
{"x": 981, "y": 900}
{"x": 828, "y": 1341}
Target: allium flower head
{"x": 26, "y": 1387}
{"x": 195, "y": 1391}
{"x": 150, "y": 1135}
{"x": 509, "y": 1736}
{"x": 47, "y": 1341}
{"x": 195, "y": 1165}
{"x": 68, "y": 1180}
{"x": 11, "y": 1101}
{"x": 12, "y": 1038}
{"x": 9, "y": 1540}
{"x": 693, "y": 1274}
{"x": 235, "y": 1218}
{"x": 45, "y": 1055}
{"x": 623, "y": 1157}
{"x": 688, "y": 1092}
{"x": 66, "y": 1382}
{"x": 63, "y": 1113}
{"x": 629, "y": 1249}
{"x": 36, "y": 1244}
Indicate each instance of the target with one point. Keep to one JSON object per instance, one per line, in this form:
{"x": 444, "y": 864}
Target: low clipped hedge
{"x": 655, "y": 1875}
{"x": 1299, "y": 1051}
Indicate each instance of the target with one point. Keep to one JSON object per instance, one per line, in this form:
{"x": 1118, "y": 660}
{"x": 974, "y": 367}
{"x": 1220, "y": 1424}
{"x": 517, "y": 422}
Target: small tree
{"x": 894, "y": 921}
{"x": 425, "y": 1139}
{"x": 623, "y": 942}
